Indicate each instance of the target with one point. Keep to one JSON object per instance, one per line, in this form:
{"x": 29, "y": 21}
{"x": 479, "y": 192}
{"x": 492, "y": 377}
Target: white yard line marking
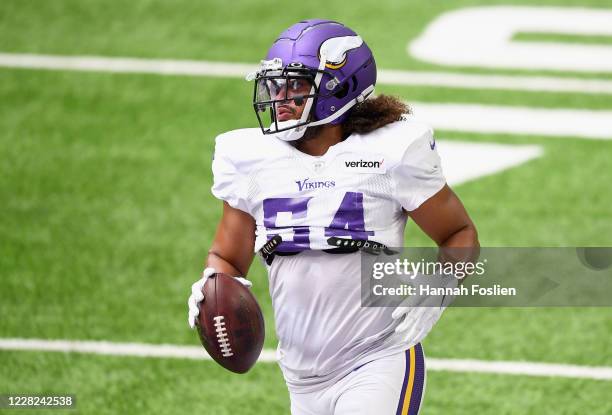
{"x": 197, "y": 353}
{"x": 521, "y": 368}
{"x": 505, "y": 82}
{"x": 239, "y": 70}
{"x": 116, "y": 349}
{"x": 516, "y": 120}
{"x": 464, "y": 161}
{"x": 121, "y": 65}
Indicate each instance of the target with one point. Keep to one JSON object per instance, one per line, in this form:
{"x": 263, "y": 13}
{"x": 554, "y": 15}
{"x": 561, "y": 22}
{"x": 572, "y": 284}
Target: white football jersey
{"x": 359, "y": 189}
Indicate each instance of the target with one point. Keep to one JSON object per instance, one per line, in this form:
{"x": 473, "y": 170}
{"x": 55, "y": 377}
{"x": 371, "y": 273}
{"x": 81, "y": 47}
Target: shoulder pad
{"x": 246, "y": 148}
{"x": 394, "y": 139}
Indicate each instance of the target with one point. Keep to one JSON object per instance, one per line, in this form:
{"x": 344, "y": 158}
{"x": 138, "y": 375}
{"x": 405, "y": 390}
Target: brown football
{"x": 230, "y": 324}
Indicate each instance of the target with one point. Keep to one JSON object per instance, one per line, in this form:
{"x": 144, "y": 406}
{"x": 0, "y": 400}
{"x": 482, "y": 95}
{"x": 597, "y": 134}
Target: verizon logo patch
{"x": 370, "y": 164}
{"x": 363, "y": 163}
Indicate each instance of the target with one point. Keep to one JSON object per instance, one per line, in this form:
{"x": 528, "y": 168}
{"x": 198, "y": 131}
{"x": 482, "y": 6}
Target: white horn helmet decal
{"x": 335, "y": 49}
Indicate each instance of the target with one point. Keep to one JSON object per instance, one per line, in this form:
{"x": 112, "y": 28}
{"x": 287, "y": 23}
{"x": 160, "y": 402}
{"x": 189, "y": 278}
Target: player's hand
{"x": 197, "y": 296}
{"x": 419, "y": 313}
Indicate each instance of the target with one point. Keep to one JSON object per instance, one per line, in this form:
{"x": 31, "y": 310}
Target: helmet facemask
{"x": 276, "y": 87}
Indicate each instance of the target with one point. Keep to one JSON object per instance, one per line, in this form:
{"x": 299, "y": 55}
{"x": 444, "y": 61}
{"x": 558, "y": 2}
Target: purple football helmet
{"x": 320, "y": 64}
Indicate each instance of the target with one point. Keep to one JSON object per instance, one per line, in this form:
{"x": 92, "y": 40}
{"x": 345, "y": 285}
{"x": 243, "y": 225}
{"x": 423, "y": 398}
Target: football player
{"x": 330, "y": 163}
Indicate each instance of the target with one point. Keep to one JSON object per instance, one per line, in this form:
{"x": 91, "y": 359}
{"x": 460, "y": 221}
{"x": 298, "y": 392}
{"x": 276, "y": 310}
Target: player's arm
{"x": 444, "y": 219}
{"x": 231, "y": 253}
{"x": 232, "y": 247}
{"x": 422, "y": 191}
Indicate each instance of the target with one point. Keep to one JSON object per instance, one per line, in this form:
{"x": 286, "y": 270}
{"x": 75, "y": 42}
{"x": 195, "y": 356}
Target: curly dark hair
{"x": 374, "y": 113}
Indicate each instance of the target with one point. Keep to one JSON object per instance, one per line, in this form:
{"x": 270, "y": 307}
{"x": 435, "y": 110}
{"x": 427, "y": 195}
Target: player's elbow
{"x": 225, "y": 263}
{"x": 471, "y": 235}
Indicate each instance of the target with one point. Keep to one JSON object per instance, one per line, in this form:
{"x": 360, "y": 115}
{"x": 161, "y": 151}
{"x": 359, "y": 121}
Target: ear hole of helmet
{"x": 343, "y": 91}
{"x": 349, "y": 85}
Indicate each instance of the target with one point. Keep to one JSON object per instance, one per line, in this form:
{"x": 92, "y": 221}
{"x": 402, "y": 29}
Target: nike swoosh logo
{"x": 432, "y": 144}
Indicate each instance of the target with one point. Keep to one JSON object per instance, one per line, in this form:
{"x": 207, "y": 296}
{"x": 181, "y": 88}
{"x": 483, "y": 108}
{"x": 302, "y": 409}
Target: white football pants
{"x": 393, "y": 385}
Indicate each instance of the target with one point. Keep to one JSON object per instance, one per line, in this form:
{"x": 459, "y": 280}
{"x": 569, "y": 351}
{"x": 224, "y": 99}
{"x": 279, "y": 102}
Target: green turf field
{"x": 106, "y": 212}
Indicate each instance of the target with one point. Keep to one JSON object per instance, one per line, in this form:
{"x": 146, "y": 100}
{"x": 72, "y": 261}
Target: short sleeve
{"x": 418, "y": 176}
{"x": 228, "y": 182}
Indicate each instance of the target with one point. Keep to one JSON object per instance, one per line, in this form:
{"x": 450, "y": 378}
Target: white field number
{"x": 483, "y": 37}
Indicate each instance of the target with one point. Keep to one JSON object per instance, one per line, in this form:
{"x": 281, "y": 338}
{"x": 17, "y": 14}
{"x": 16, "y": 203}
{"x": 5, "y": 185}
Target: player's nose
{"x": 282, "y": 94}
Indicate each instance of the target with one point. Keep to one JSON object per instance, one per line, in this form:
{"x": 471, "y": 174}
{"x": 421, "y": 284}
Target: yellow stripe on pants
{"x": 410, "y": 383}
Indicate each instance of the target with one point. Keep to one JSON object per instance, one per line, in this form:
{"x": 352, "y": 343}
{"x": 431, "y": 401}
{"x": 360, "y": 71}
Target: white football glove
{"x": 421, "y": 312}
{"x": 197, "y": 296}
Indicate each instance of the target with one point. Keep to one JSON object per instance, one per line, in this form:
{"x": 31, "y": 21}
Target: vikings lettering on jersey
{"x": 356, "y": 190}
